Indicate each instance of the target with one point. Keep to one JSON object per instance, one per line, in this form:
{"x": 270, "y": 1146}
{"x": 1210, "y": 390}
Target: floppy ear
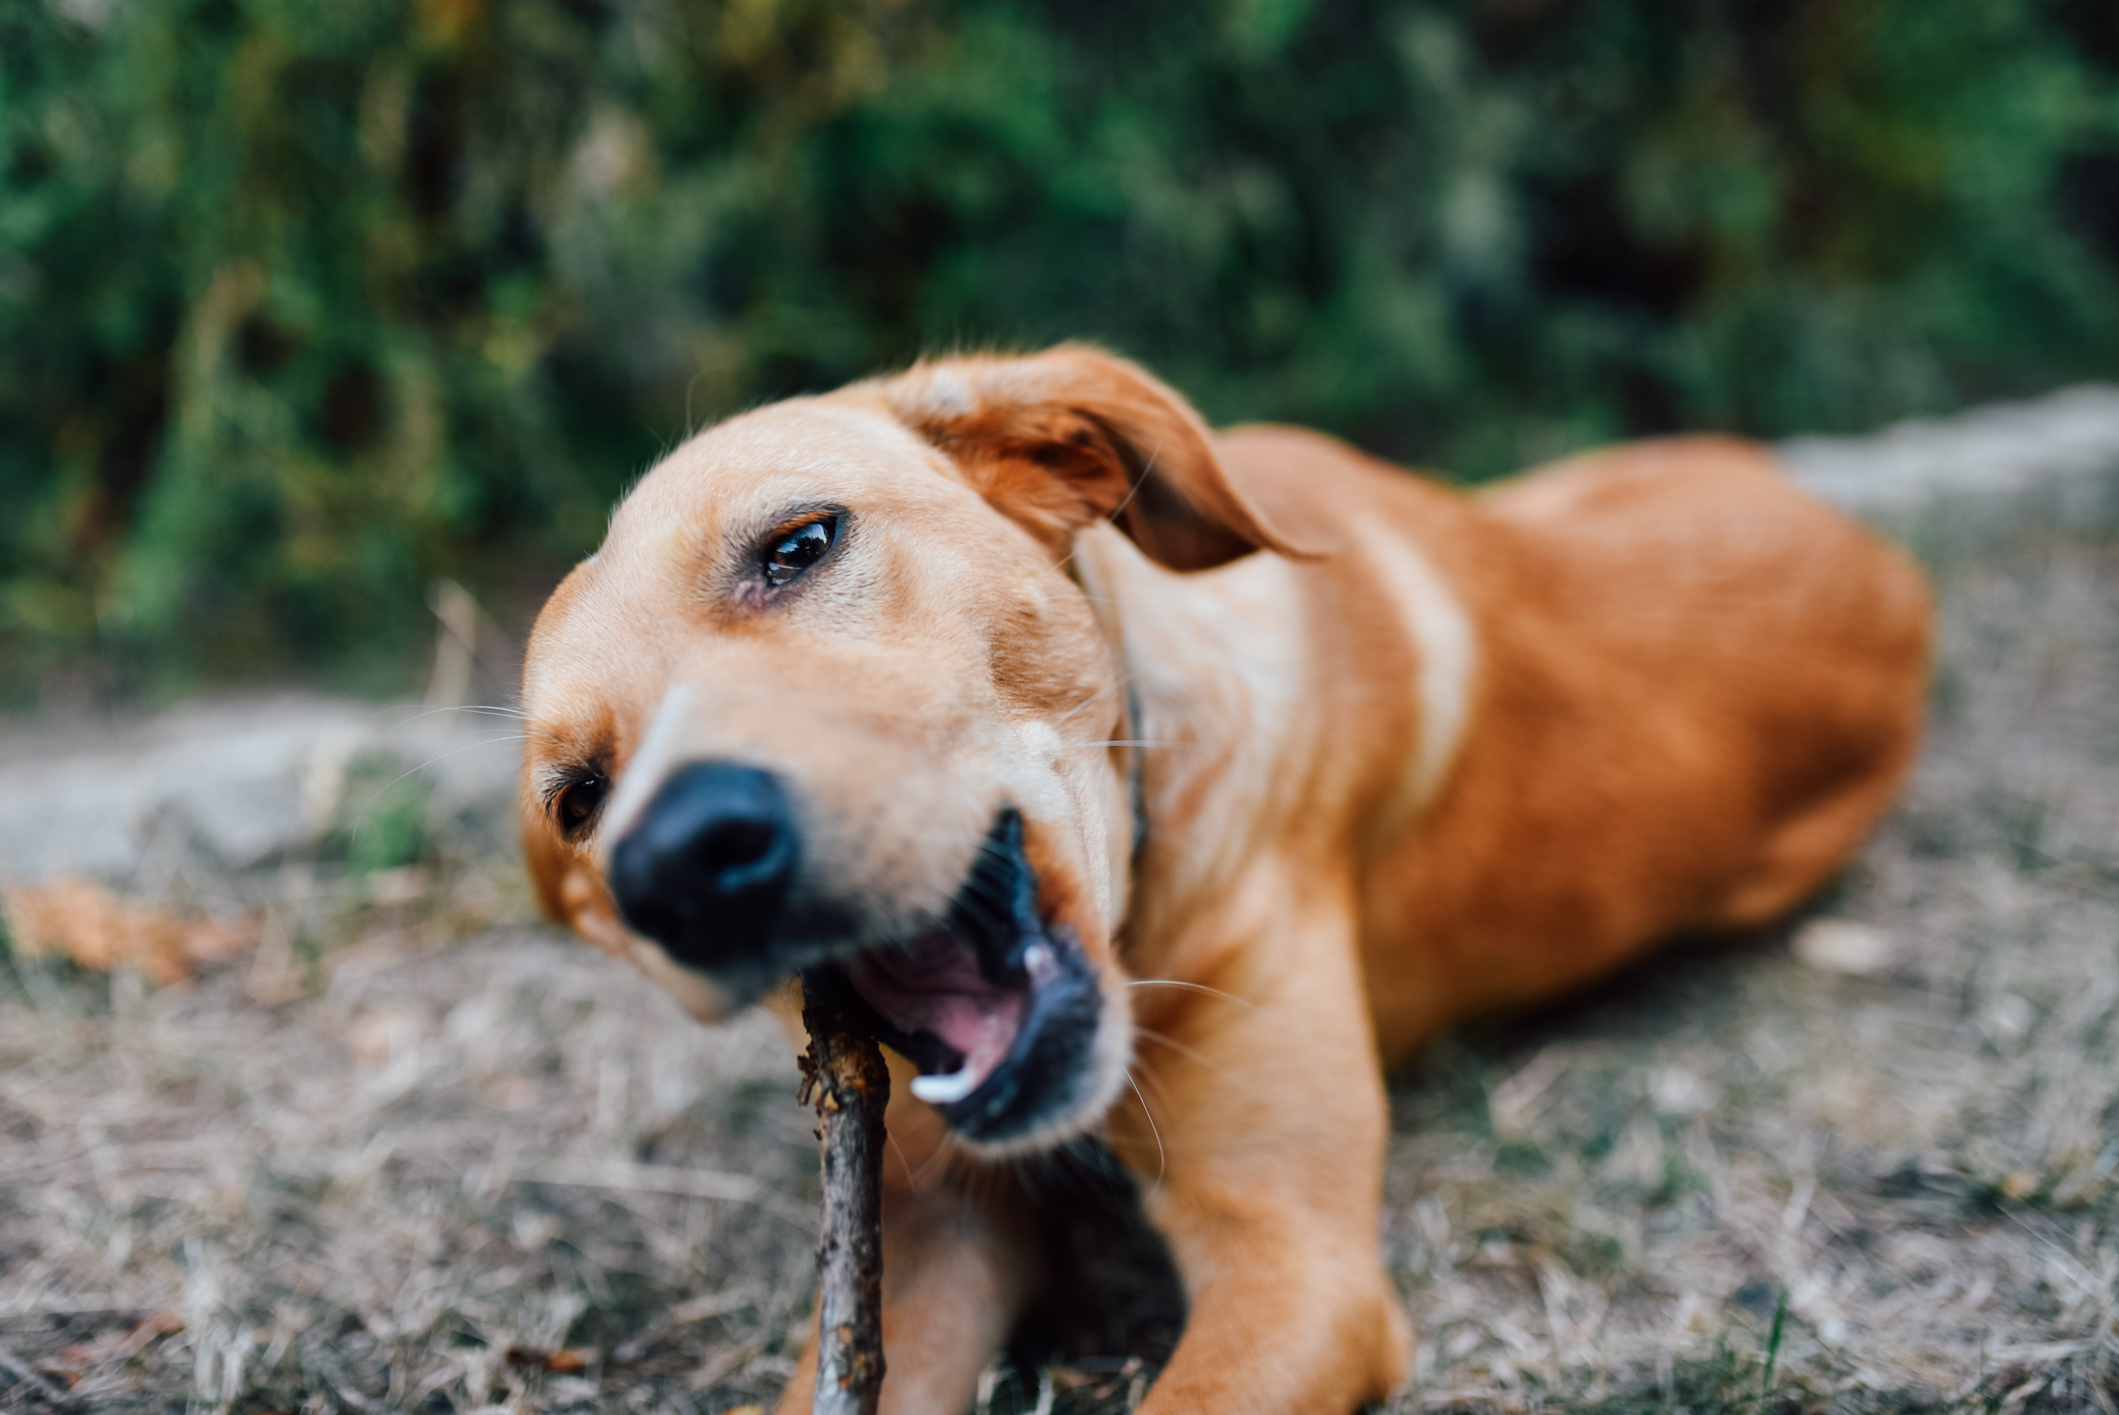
{"x": 1063, "y": 439}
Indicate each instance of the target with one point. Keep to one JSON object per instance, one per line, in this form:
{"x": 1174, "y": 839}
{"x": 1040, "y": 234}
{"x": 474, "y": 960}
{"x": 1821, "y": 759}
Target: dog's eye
{"x": 578, "y": 803}
{"x": 798, "y": 550}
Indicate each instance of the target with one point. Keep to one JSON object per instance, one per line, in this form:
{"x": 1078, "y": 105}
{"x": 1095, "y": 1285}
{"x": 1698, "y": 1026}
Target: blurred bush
{"x": 306, "y": 302}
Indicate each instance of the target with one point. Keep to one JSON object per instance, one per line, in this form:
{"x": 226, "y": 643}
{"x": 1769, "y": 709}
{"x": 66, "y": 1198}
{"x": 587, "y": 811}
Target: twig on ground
{"x": 844, "y": 1076}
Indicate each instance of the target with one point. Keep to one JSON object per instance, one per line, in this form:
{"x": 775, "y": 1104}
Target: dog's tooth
{"x": 945, "y": 1090}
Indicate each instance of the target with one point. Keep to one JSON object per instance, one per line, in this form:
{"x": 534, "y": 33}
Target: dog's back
{"x": 1695, "y": 563}
{"x": 1690, "y": 692}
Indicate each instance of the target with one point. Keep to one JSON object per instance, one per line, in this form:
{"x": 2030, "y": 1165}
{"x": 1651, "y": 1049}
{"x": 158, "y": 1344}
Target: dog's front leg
{"x": 1272, "y": 1120}
{"x": 960, "y": 1263}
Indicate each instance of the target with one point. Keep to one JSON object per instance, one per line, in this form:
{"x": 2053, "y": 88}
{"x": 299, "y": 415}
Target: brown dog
{"x": 1096, "y": 748}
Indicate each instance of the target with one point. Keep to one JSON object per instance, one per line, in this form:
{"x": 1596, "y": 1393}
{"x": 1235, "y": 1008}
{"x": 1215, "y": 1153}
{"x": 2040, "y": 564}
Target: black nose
{"x": 705, "y": 870}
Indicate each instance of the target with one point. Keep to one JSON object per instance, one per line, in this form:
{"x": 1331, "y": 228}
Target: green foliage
{"x": 390, "y": 829}
{"x": 305, "y": 302}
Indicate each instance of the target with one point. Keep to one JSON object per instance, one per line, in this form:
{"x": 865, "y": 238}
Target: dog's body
{"x": 1360, "y": 757}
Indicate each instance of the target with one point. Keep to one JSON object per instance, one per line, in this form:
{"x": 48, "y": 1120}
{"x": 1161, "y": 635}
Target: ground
{"x": 396, "y": 1146}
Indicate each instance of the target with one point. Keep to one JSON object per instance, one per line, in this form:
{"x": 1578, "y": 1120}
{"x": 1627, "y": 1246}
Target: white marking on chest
{"x": 1221, "y": 661}
{"x": 1448, "y": 647}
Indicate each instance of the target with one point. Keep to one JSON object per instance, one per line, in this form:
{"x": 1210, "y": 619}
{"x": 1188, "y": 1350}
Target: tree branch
{"x": 844, "y": 1076}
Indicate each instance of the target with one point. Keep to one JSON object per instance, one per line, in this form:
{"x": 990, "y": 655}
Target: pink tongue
{"x": 936, "y": 987}
{"x": 983, "y": 1029}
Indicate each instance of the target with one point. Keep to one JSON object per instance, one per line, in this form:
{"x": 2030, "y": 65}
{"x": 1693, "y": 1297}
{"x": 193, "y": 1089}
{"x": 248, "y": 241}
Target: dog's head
{"x": 831, "y": 693}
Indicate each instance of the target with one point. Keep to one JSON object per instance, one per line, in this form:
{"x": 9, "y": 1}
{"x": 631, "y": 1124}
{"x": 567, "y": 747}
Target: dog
{"x": 1170, "y": 785}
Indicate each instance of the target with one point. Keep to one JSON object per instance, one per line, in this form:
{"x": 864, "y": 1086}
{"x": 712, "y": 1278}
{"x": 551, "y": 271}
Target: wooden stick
{"x": 844, "y": 1076}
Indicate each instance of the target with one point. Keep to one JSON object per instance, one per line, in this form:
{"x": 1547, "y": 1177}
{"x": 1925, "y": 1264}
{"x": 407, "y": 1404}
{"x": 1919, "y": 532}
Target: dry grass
{"x": 404, "y": 1157}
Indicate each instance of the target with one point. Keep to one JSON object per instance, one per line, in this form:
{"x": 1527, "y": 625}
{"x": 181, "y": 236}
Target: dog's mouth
{"x": 996, "y": 1007}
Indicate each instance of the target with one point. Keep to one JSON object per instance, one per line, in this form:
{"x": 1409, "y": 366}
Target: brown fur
{"x": 1422, "y": 756}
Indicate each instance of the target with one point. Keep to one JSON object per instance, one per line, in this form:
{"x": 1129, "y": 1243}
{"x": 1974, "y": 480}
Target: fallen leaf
{"x": 566, "y": 1361}
{"x": 78, "y": 919}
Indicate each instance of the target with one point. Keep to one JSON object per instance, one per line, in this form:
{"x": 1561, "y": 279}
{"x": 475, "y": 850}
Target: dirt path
{"x": 410, "y": 1151}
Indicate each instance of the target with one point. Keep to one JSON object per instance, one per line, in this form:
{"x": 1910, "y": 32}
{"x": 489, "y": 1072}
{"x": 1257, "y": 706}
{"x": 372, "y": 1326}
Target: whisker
{"x": 1195, "y": 987}
{"x": 486, "y": 709}
{"x": 904, "y": 1160}
{"x": 1162, "y": 1159}
{"x": 1121, "y": 681}
{"x": 360, "y": 817}
{"x": 918, "y": 1180}
{"x": 1181, "y": 1048}
{"x": 1147, "y": 470}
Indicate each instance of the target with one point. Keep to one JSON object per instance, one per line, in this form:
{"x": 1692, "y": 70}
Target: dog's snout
{"x": 705, "y": 870}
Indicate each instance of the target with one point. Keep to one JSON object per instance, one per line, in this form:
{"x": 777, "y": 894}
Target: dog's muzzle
{"x": 998, "y": 1008}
